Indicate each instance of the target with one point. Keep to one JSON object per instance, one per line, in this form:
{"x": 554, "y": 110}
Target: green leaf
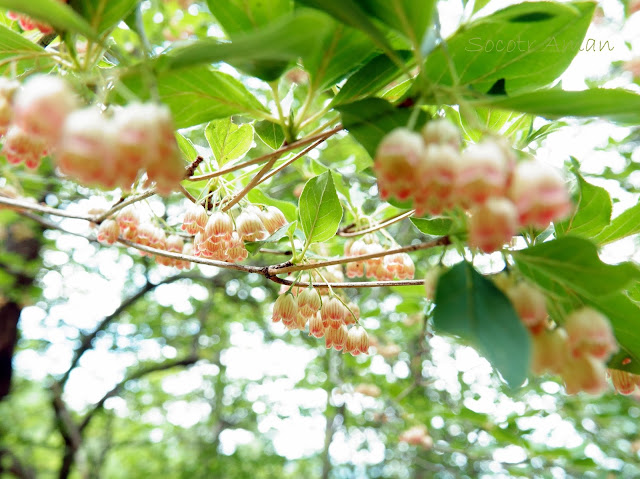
{"x": 613, "y": 104}
{"x": 26, "y": 53}
{"x": 341, "y": 52}
{"x": 524, "y": 46}
{"x": 320, "y": 209}
{"x": 270, "y": 133}
{"x": 626, "y": 224}
{"x": 101, "y": 14}
{"x": 350, "y": 13}
{"x": 227, "y": 140}
{"x": 197, "y": 95}
{"x": 410, "y": 18}
{"x": 433, "y": 226}
{"x": 59, "y": 15}
{"x": 593, "y": 212}
{"x": 470, "y": 306}
{"x": 572, "y": 263}
{"x": 371, "y": 119}
{"x": 283, "y": 40}
{"x": 254, "y": 246}
{"x": 289, "y": 210}
{"x": 371, "y": 78}
{"x": 238, "y": 17}
{"x": 479, "y": 4}
{"x": 189, "y": 152}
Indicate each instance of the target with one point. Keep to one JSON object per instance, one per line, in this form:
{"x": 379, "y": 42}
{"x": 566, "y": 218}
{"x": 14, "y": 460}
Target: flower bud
{"x": 417, "y": 436}
{"x": 316, "y": 327}
{"x": 333, "y": 312}
{"x": 273, "y": 219}
{"x": 195, "y": 219}
{"x": 441, "y": 131}
{"x": 586, "y": 374}
{"x": 285, "y": 308}
{"x": 434, "y": 188}
{"x": 483, "y": 173}
{"x": 309, "y": 302}
{"x": 128, "y": 217}
{"x": 42, "y": 106}
{"x": 530, "y": 304}
{"x": 396, "y": 161}
{"x": 540, "y": 194}
{"x": 20, "y": 146}
{"x": 250, "y": 228}
{"x": 237, "y": 251}
{"x": 108, "y": 231}
{"x": 219, "y": 226}
{"x": 335, "y": 337}
{"x": 550, "y": 351}
{"x": 623, "y": 381}
{"x": 357, "y": 341}
{"x": 590, "y": 334}
{"x": 492, "y": 224}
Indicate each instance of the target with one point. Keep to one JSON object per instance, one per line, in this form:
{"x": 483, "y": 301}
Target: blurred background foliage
{"x": 125, "y": 369}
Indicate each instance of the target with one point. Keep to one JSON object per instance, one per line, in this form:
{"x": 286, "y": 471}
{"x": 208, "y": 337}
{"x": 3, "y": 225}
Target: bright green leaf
{"x": 433, "y": 226}
{"x": 101, "y": 14}
{"x": 227, "y": 140}
{"x": 320, "y": 209}
{"x": 270, "y": 133}
{"x": 59, "y": 15}
{"x": 189, "y": 152}
{"x": 197, "y": 95}
{"x": 592, "y": 214}
{"x": 525, "y": 46}
{"x": 470, "y": 306}
{"x": 254, "y": 246}
{"x": 288, "y": 209}
{"x": 626, "y": 224}
{"x": 572, "y": 263}
{"x": 26, "y": 53}
{"x": 613, "y": 104}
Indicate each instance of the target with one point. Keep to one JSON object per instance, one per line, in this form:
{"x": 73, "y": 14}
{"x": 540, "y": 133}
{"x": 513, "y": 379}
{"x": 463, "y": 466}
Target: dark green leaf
{"x": 617, "y": 105}
{"x": 227, "y": 140}
{"x": 592, "y": 214}
{"x": 270, "y": 133}
{"x": 573, "y": 263}
{"x": 526, "y": 54}
{"x": 433, "y": 226}
{"x": 320, "y": 209}
{"x": 371, "y": 78}
{"x": 371, "y": 119}
{"x": 470, "y": 306}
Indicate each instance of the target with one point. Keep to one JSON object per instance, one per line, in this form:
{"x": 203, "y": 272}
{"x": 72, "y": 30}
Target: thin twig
{"x": 251, "y": 185}
{"x": 388, "y": 222}
{"x": 275, "y": 171}
{"x": 277, "y": 153}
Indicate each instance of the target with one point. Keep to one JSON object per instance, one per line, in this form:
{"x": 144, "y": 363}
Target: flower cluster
{"x": 623, "y": 381}
{"x": 417, "y": 436}
{"x": 27, "y": 23}
{"x": 43, "y": 117}
{"x": 130, "y": 226}
{"x": 221, "y": 238}
{"x": 327, "y": 316}
{"x": 578, "y": 351}
{"x": 432, "y": 172}
{"x": 383, "y": 268}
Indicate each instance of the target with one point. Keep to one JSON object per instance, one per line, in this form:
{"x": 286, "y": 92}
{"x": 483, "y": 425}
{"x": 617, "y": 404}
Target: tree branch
{"x": 137, "y": 375}
{"x": 14, "y": 467}
{"x": 346, "y": 233}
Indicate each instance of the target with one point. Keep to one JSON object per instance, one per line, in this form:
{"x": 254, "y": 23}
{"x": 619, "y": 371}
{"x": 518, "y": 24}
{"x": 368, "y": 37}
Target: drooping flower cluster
{"x": 578, "y": 351}
{"x": 221, "y": 238}
{"x": 501, "y": 196}
{"x": 383, "y": 268}
{"x": 42, "y": 117}
{"x": 417, "y": 436}
{"x": 27, "y": 23}
{"x": 326, "y": 315}
{"x": 130, "y": 226}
